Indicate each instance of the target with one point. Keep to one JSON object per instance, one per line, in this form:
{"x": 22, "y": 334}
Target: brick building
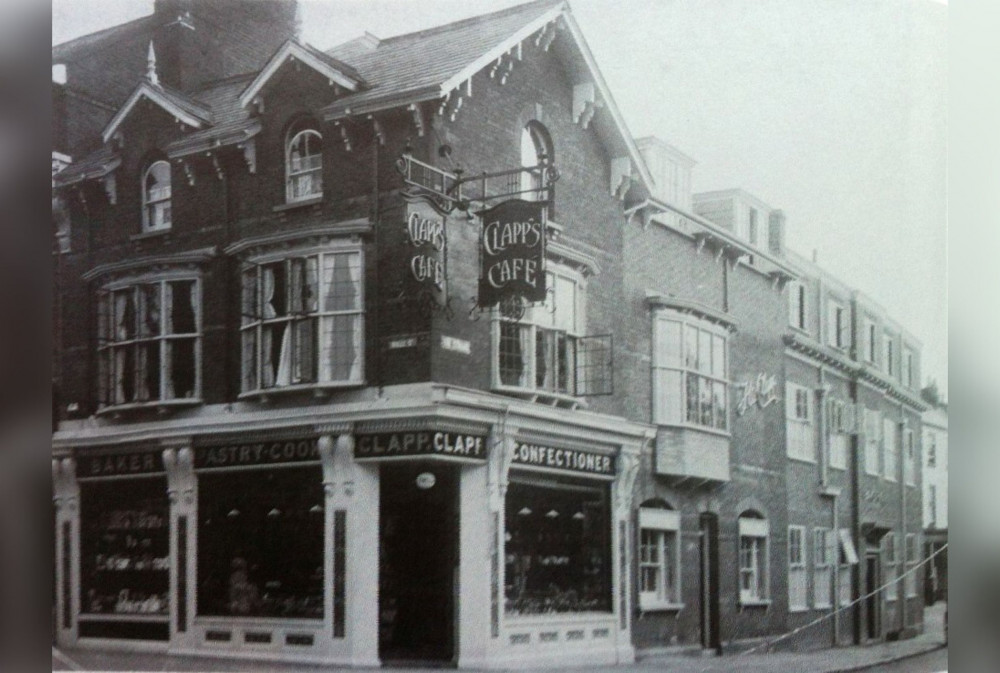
{"x": 286, "y": 431}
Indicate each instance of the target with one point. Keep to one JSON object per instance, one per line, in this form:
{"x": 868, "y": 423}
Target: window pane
{"x": 342, "y": 282}
{"x": 343, "y": 341}
{"x": 513, "y": 354}
{"x": 704, "y": 352}
{"x": 671, "y": 396}
{"x": 180, "y": 353}
{"x": 691, "y": 392}
{"x": 565, "y": 300}
{"x": 305, "y": 333}
{"x": 718, "y": 356}
{"x": 544, "y": 354}
{"x": 182, "y": 309}
{"x": 690, "y": 347}
{"x": 251, "y": 311}
{"x": 250, "y": 359}
{"x": 668, "y": 343}
{"x": 719, "y": 401}
{"x": 705, "y": 393}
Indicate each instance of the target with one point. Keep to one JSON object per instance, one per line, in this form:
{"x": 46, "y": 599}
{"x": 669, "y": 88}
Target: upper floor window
{"x": 149, "y": 342}
{"x": 910, "y": 457}
{"x": 690, "y": 365}
{"x": 536, "y": 149}
{"x": 890, "y": 362}
{"x": 156, "y": 211}
{"x": 824, "y": 547}
{"x": 303, "y": 321}
{"x": 890, "y": 450}
{"x": 659, "y": 555}
{"x": 891, "y": 555}
{"x": 303, "y": 164}
{"x": 752, "y": 231}
{"x": 837, "y": 325}
{"x": 871, "y": 354}
{"x": 797, "y": 305}
{"x": 873, "y": 442}
{"x": 909, "y": 373}
{"x": 839, "y": 423}
{"x": 753, "y": 558}
{"x": 798, "y": 581}
{"x": 799, "y": 415}
{"x": 931, "y": 449}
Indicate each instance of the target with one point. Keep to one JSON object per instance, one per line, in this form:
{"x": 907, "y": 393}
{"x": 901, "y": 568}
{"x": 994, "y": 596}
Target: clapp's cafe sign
{"x": 512, "y": 252}
{"x": 428, "y": 240}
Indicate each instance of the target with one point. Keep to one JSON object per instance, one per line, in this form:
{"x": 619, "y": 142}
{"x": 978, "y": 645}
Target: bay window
{"x": 659, "y": 556}
{"x": 539, "y": 352}
{"x": 799, "y": 418}
{"x": 149, "y": 339}
{"x": 753, "y": 558}
{"x": 798, "y": 581}
{"x": 303, "y": 321}
{"x": 690, "y": 365}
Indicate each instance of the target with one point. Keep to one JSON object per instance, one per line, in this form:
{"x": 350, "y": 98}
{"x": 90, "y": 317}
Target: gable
{"x": 183, "y": 109}
{"x": 336, "y": 73}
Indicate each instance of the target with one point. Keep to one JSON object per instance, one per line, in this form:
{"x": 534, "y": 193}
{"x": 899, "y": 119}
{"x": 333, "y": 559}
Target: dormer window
{"x": 303, "y": 164}
{"x": 156, "y": 212}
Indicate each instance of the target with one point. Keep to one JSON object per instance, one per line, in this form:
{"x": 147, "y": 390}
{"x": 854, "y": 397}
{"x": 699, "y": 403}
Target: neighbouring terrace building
{"x": 408, "y": 351}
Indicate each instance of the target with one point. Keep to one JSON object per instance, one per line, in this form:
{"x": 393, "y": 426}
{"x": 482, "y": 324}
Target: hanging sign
{"x": 427, "y": 238}
{"x": 512, "y": 252}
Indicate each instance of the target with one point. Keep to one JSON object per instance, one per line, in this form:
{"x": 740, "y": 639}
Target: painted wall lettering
{"x": 420, "y": 443}
{"x": 571, "y": 460}
{"x": 761, "y": 390}
{"x": 427, "y": 235}
{"x": 259, "y": 453}
{"x": 149, "y": 461}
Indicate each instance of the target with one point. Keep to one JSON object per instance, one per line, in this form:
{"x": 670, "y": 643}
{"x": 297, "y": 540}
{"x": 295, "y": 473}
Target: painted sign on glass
{"x": 513, "y": 252}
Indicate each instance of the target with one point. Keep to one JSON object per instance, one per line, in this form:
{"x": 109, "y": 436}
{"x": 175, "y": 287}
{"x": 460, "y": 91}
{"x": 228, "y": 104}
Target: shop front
{"x": 449, "y": 538}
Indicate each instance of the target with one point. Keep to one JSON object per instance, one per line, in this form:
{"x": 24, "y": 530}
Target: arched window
{"x": 753, "y": 531}
{"x": 303, "y": 164}
{"x": 536, "y": 149}
{"x": 659, "y": 555}
{"x": 156, "y": 197}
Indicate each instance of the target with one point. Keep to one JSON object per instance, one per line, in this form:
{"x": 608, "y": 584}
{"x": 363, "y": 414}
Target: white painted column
{"x": 182, "y": 493}
{"x": 622, "y": 538}
{"x": 476, "y": 552}
{"x": 66, "y": 496}
{"x": 501, "y": 454}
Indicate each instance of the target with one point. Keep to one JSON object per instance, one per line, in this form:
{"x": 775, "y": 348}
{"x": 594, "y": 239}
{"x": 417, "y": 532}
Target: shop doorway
{"x": 873, "y": 601}
{"x": 418, "y": 561}
{"x": 709, "y": 565}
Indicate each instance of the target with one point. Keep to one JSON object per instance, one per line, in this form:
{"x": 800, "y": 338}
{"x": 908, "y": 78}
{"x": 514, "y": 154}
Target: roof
{"x": 188, "y": 110}
{"x": 419, "y": 63}
{"x": 109, "y": 37}
{"x": 97, "y": 164}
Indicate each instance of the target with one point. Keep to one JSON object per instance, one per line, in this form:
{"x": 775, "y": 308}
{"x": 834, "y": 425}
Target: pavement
{"x": 831, "y": 660}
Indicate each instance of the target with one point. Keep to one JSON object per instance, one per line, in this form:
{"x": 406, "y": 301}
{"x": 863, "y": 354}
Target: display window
{"x": 557, "y": 546}
{"x": 260, "y": 543}
{"x": 124, "y": 547}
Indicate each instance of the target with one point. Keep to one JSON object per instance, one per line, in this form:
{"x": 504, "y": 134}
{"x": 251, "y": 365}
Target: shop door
{"x": 874, "y": 600}
{"x": 417, "y": 562}
{"x": 709, "y": 563}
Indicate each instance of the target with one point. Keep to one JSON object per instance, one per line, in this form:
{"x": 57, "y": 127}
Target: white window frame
{"x": 890, "y": 450}
{"x": 672, "y": 370}
{"x": 931, "y": 449}
{"x": 891, "y": 552}
{"x": 798, "y": 572}
{"x": 753, "y": 561}
{"x": 909, "y": 457}
{"x": 314, "y": 167}
{"x": 823, "y": 552}
{"x": 801, "y": 429}
{"x": 932, "y": 504}
{"x": 912, "y": 548}
{"x": 837, "y": 325}
{"x": 157, "y": 212}
{"x": 534, "y": 141}
{"x": 108, "y": 344}
{"x": 254, "y": 321}
{"x": 798, "y": 314}
{"x": 543, "y": 318}
{"x": 660, "y": 524}
{"x": 838, "y": 434}
{"x": 873, "y": 442}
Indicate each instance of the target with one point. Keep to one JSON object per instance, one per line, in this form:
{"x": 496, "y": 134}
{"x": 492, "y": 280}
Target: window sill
{"x": 660, "y": 607}
{"x": 146, "y": 235}
{"x": 318, "y": 389}
{"x": 302, "y": 203}
{"x": 798, "y": 608}
{"x": 697, "y": 428}
{"x": 803, "y": 332}
{"x": 822, "y": 606}
{"x": 761, "y": 603}
{"x": 262, "y": 622}
{"x": 553, "y": 399}
{"x": 162, "y": 406}
{"x": 797, "y": 459}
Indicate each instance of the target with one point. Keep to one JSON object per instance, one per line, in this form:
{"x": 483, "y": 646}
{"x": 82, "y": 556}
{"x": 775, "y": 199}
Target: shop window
{"x": 909, "y": 458}
{"x": 303, "y": 164}
{"x": 891, "y": 556}
{"x": 149, "y": 344}
{"x": 890, "y": 450}
{"x": 912, "y": 556}
{"x": 303, "y": 322}
{"x": 557, "y": 547}
{"x": 839, "y": 419}
{"x": 156, "y": 210}
{"x": 690, "y": 364}
{"x": 659, "y": 556}
{"x": 536, "y": 151}
{"x": 823, "y": 551}
{"x": 797, "y": 305}
{"x": 798, "y": 580}
{"x": 124, "y": 547}
{"x": 753, "y": 580}
{"x": 799, "y": 419}
{"x": 873, "y": 442}
{"x": 545, "y": 352}
{"x": 260, "y": 543}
